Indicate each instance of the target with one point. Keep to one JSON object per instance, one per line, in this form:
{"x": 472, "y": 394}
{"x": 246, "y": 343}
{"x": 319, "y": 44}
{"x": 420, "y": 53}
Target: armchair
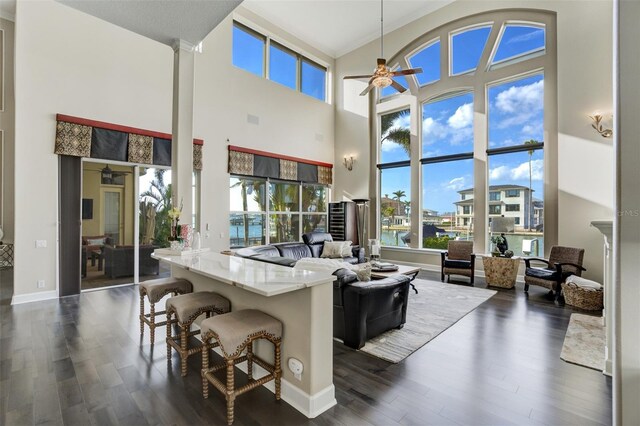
{"x": 562, "y": 263}
{"x": 459, "y": 259}
{"x": 362, "y": 310}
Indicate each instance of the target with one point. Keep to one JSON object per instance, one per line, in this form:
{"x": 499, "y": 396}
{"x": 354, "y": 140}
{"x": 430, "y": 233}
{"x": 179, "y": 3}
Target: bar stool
{"x": 234, "y": 332}
{"x": 187, "y": 308}
{"x": 155, "y": 290}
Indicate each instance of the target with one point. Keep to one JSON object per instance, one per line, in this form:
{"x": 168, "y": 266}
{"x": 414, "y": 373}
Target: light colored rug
{"x": 435, "y": 308}
{"x": 584, "y": 342}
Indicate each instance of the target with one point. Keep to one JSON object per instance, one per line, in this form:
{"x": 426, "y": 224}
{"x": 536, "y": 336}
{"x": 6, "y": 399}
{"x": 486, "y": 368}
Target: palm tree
{"x": 389, "y": 212}
{"x": 398, "y": 196}
{"x": 158, "y": 196}
{"x": 399, "y": 135}
{"x": 530, "y": 142}
{"x": 248, "y": 187}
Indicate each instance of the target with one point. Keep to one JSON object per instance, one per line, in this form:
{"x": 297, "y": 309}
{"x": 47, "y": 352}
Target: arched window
{"x": 474, "y": 137}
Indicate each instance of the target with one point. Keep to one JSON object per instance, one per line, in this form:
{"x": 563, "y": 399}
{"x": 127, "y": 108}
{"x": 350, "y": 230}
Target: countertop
{"x": 258, "y": 277}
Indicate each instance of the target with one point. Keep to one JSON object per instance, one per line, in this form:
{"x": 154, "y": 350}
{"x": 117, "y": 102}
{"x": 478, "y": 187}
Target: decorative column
{"x": 182, "y": 126}
{"x": 606, "y": 227}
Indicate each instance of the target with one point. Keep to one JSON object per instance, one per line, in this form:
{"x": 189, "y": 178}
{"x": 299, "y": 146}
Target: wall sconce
{"x": 348, "y": 162}
{"x": 597, "y": 118}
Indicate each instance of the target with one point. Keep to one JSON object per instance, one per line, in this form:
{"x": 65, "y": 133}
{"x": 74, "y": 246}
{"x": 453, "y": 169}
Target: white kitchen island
{"x": 301, "y": 300}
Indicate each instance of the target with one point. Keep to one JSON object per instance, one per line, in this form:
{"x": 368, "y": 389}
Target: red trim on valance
{"x": 279, "y": 156}
{"x": 117, "y": 127}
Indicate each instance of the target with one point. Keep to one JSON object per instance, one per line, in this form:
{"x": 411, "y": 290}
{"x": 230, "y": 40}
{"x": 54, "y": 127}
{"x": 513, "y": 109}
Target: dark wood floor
{"x": 78, "y": 361}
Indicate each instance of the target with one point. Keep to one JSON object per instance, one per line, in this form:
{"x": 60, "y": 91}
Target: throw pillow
{"x": 96, "y": 242}
{"x": 346, "y": 249}
{"x": 363, "y": 271}
{"x": 332, "y": 250}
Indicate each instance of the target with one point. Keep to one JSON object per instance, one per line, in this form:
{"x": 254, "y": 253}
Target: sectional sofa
{"x": 361, "y": 309}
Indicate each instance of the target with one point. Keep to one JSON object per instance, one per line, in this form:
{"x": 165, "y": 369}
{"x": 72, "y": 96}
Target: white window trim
{"x": 528, "y": 65}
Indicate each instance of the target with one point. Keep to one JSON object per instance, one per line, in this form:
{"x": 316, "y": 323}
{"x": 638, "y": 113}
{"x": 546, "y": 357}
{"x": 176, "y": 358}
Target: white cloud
{"x": 458, "y": 128}
{"x": 532, "y": 129}
{"x": 520, "y": 103}
{"x": 522, "y": 171}
{"x": 499, "y": 172}
{"x": 456, "y": 184}
{"x": 463, "y": 117}
{"x": 528, "y": 36}
{"x": 433, "y": 130}
{"x": 388, "y": 146}
{"x": 518, "y": 98}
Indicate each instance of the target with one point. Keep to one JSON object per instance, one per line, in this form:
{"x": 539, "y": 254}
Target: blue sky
{"x": 515, "y": 115}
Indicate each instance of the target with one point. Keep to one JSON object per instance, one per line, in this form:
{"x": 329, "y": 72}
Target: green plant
{"x": 436, "y": 242}
{"x": 497, "y": 239}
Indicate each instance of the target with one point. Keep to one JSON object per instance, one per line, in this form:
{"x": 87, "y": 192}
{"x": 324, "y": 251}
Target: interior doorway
{"x": 109, "y": 207}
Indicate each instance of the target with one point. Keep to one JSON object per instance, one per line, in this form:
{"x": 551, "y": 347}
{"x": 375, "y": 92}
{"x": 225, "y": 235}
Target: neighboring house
{"x": 401, "y": 216}
{"x": 504, "y": 200}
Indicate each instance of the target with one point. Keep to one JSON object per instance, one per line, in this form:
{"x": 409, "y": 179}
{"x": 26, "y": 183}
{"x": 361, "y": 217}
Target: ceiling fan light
{"x": 382, "y": 82}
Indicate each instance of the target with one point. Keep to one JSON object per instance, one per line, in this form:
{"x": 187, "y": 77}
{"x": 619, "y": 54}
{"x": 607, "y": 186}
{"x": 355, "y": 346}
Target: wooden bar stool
{"x": 234, "y": 332}
{"x": 187, "y": 308}
{"x": 155, "y": 290}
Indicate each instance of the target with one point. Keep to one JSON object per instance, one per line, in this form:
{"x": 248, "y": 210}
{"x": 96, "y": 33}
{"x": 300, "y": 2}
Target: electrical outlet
{"x": 222, "y": 235}
{"x": 40, "y": 284}
{"x": 41, "y": 243}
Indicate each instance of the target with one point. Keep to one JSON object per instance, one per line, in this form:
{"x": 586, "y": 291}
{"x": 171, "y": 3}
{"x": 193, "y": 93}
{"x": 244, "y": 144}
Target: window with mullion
{"x": 283, "y": 65}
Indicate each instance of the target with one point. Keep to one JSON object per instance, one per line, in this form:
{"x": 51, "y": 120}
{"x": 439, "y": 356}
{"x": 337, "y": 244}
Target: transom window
{"x": 466, "y": 48}
{"x": 519, "y": 41}
{"x": 285, "y": 66}
{"x": 428, "y": 59}
{"x": 464, "y": 134}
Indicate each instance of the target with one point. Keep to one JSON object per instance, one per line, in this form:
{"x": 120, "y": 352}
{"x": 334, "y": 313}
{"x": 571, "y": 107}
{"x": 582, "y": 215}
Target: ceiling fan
{"x": 382, "y": 76}
{"x": 108, "y": 173}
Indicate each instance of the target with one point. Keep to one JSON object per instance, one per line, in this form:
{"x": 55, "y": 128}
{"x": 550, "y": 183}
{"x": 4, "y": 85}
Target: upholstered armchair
{"x": 562, "y": 263}
{"x": 458, "y": 260}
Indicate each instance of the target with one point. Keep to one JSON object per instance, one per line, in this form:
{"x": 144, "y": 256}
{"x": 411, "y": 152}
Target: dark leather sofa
{"x": 118, "y": 261}
{"x": 361, "y": 310}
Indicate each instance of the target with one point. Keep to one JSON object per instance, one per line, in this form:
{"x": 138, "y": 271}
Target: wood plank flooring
{"x": 79, "y": 361}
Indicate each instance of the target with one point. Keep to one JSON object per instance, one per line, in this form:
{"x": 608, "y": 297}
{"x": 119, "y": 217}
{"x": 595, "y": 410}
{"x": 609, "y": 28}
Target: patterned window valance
{"x": 250, "y": 162}
{"x": 81, "y": 137}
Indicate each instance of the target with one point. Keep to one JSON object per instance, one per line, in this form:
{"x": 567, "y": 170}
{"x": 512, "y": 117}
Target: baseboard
{"x": 436, "y": 268}
{"x": 107, "y": 287}
{"x": 33, "y": 297}
{"x": 309, "y": 405}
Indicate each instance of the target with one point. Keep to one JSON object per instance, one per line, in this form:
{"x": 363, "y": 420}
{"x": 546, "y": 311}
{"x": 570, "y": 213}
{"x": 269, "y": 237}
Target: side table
{"x": 500, "y": 271}
{"x": 6, "y": 256}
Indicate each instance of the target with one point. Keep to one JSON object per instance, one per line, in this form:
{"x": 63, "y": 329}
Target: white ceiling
{"x": 337, "y": 27}
{"x": 161, "y": 20}
{"x": 334, "y": 27}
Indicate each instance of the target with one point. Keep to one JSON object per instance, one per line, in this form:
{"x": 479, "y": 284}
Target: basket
{"x": 584, "y": 298}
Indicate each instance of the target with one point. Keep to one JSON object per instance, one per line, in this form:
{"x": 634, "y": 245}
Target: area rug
{"x": 436, "y": 307}
{"x": 584, "y": 342}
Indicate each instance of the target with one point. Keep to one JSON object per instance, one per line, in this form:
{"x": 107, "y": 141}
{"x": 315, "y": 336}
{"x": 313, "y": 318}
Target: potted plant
{"x": 499, "y": 245}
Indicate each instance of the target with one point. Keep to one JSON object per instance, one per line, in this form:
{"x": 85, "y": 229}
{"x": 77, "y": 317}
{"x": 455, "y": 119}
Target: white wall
{"x": 627, "y": 222}
{"x": 7, "y": 117}
{"x": 72, "y": 63}
{"x": 585, "y": 172}
{"x": 93, "y": 69}
{"x": 290, "y": 122}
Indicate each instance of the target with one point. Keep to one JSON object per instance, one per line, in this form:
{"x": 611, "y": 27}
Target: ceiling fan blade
{"x": 367, "y": 90}
{"x": 356, "y": 76}
{"x": 399, "y": 87}
{"x": 408, "y": 72}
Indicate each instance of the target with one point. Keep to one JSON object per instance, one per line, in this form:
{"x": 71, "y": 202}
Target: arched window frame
{"x": 477, "y": 81}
